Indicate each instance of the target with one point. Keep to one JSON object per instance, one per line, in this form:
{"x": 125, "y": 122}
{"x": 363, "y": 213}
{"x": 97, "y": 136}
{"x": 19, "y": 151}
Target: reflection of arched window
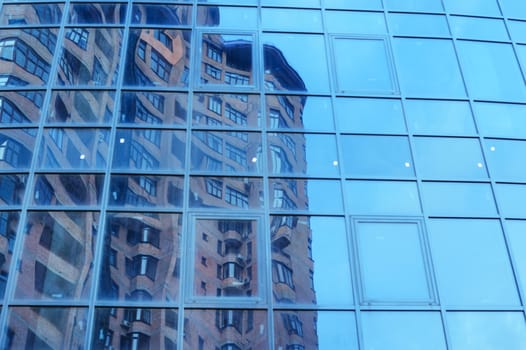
{"x": 280, "y": 162}
{"x": 230, "y": 346}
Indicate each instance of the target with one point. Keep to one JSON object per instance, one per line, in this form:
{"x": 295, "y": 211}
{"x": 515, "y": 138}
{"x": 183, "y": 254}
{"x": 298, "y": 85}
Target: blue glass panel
{"x": 336, "y": 330}
{"x": 487, "y": 330}
{"x": 439, "y": 117}
{"x": 513, "y": 8}
{"x": 439, "y": 158}
{"x": 510, "y": 198}
{"x": 420, "y": 25}
{"x": 501, "y": 120}
{"x": 516, "y": 232}
{"x": 302, "y": 194}
{"x": 355, "y": 22}
{"x": 291, "y": 3}
{"x": 364, "y": 115}
{"x": 506, "y": 159}
{"x": 517, "y": 30}
{"x": 414, "y": 5}
{"x": 228, "y": 17}
{"x": 402, "y": 331}
{"x": 354, "y": 4}
{"x": 471, "y": 262}
{"x": 521, "y": 54}
{"x": 377, "y": 156}
{"x": 473, "y": 7}
{"x": 383, "y": 197}
{"x": 291, "y": 20}
{"x": 491, "y": 71}
{"x": 428, "y": 67}
{"x": 458, "y": 199}
{"x": 478, "y": 28}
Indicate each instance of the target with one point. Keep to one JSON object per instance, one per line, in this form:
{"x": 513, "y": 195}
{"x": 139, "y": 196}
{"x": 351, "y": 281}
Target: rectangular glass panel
{"x": 165, "y": 14}
{"x": 439, "y": 117}
{"x": 20, "y": 107}
{"x": 8, "y": 227}
{"x": 505, "y": 159}
{"x": 420, "y": 25}
{"x": 226, "y": 192}
{"x": 146, "y": 191}
{"x": 31, "y": 14}
{"x": 500, "y": 120}
{"x": 414, "y": 5}
{"x": 354, "y": 4}
{"x": 478, "y": 28}
{"x": 473, "y": 7}
{"x": 153, "y": 108}
{"x": 227, "y": 17}
{"x": 225, "y": 110}
{"x": 16, "y": 148}
{"x": 12, "y": 188}
{"x": 97, "y": 13}
{"x": 369, "y": 115}
{"x": 340, "y": 22}
{"x": 510, "y": 198}
{"x": 291, "y": 20}
{"x": 81, "y": 106}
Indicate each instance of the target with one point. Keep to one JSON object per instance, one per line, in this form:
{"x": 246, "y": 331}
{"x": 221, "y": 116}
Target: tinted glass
{"x": 421, "y": 25}
{"x": 81, "y": 106}
{"x": 439, "y": 117}
{"x": 291, "y": 20}
{"x": 301, "y": 194}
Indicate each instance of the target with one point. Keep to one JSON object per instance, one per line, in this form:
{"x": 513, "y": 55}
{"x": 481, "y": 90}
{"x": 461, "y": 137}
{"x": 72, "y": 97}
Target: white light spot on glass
{"x": 121, "y": 140}
{"x": 82, "y": 156}
{"x": 335, "y": 162}
{"x": 479, "y": 165}
{"x": 254, "y": 159}
{"x": 407, "y": 164}
{"x": 492, "y": 148}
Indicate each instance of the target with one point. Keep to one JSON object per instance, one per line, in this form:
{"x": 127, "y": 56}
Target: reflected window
{"x": 160, "y": 66}
{"x": 79, "y": 36}
{"x": 24, "y": 56}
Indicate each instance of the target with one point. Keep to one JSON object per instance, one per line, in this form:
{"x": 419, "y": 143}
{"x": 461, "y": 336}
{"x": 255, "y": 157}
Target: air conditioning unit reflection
{"x": 125, "y": 324}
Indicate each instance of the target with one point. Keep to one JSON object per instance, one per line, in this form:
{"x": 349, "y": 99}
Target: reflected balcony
{"x": 282, "y": 238}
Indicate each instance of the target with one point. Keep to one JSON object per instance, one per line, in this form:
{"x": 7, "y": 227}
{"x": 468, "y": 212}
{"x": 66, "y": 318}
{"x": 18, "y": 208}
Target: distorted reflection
{"x": 225, "y": 110}
{"x": 19, "y": 107}
{"x": 222, "y": 192}
{"x": 141, "y": 260}
{"x": 31, "y": 14}
{"x": 57, "y": 256}
{"x": 288, "y": 194}
{"x": 68, "y": 189}
{"x": 12, "y": 188}
{"x": 153, "y": 108}
{"x": 97, "y": 13}
{"x": 299, "y": 112}
{"x": 8, "y": 226}
{"x": 81, "y": 106}
{"x": 142, "y": 191}
{"x": 16, "y": 148}
{"x": 227, "y": 249}
{"x": 226, "y": 329}
{"x": 161, "y": 14}
{"x": 158, "y": 57}
{"x": 46, "y": 328}
{"x": 227, "y": 17}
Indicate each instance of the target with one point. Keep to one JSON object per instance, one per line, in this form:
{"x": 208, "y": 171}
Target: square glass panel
{"x": 291, "y": 19}
{"x": 9, "y": 221}
{"x": 402, "y": 330}
{"x": 57, "y": 256}
{"x": 478, "y": 28}
{"x": 142, "y": 257}
{"x": 350, "y": 22}
{"x": 471, "y": 262}
{"x": 384, "y": 156}
{"x": 363, "y": 65}
{"x": 291, "y": 3}
{"x": 16, "y": 148}
{"x": 227, "y": 17}
{"x": 490, "y": 330}
{"x": 226, "y": 258}
{"x": 153, "y": 108}
{"x": 21, "y": 14}
{"x": 439, "y": 117}
{"x": 81, "y": 106}
{"x": 441, "y": 158}
{"x": 458, "y": 199}
{"x": 309, "y": 254}
{"x": 428, "y": 67}
{"x": 518, "y": 30}
{"x": 420, "y": 25}
{"x": 226, "y": 192}
{"x": 97, "y": 13}
{"x": 491, "y": 71}
{"x": 513, "y": 8}
{"x": 12, "y": 188}
{"x": 500, "y": 120}
{"x": 506, "y": 159}
{"x": 165, "y": 14}
{"x": 510, "y": 198}
{"x": 68, "y": 189}
{"x": 146, "y": 191}
{"x": 383, "y": 197}
{"x": 392, "y": 261}
{"x": 473, "y": 7}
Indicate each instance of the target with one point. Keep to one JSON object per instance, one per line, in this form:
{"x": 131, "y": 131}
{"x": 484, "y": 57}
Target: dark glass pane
{"x": 97, "y": 13}
{"x": 226, "y": 192}
{"x": 81, "y": 106}
{"x": 137, "y": 191}
{"x": 151, "y": 108}
{"x": 68, "y": 189}
{"x": 16, "y": 148}
{"x": 30, "y": 14}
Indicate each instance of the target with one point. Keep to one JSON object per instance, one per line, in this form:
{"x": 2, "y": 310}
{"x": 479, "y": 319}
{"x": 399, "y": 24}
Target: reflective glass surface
{"x": 67, "y": 189}
{"x": 31, "y": 14}
{"x": 227, "y": 17}
{"x": 16, "y": 148}
{"x": 421, "y": 25}
{"x": 414, "y": 5}
{"x": 473, "y": 7}
{"x": 478, "y": 28}
{"x": 505, "y": 159}
{"x": 348, "y": 22}
{"x": 97, "y": 13}
{"x": 165, "y": 14}
{"x": 81, "y": 106}
{"x": 151, "y": 108}
{"x": 517, "y": 239}
{"x": 146, "y": 191}
{"x": 291, "y": 20}
{"x": 225, "y": 192}
{"x": 439, "y": 117}
{"x": 509, "y": 123}
{"x": 509, "y": 199}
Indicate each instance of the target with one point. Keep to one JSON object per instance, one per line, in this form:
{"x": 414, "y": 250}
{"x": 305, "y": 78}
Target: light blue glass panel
{"x": 414, "y": 5}
{"x": 228, "y": 17}
{"x": 439, "y": 117}
{"x": 521, "y": 53}
{"x": 355, "y": 22}
{"x": 402, "y": 331}
{"x": 458, "y": 199}
{"x": 491, "y": 71}
{"x": 471, "y": 262}
{"x": 366, "y": 115}
{"x": 487, "y": 330}
{"x": 377, "y": 156}
{"x": 420, "y": 25}
{"x": 354, "y": 4}
{"x": 363, "y": 65}
{"x": 428, "y": 67}
{"x": 502, "y": 120}
{"x": 291, "y": 19}
{"x": 336, "y": 330}
{"x": 510, "y": 198}
{"x": 383, "y": 197}
{"x": 391, "y": 261}
{"x": 449, "y": 158}
{"x": 292, "y": 194}
{"x": 506, "y": 159}
{"x": 516, "y": 232}
{"x": 317, "y": 114}
{"x": 513, "y": 8}
{"x": 478, "y": 28}
{"x": 473, "y": 7}
{"x": 518, "y": 30}
{"x": 292, "y": 3}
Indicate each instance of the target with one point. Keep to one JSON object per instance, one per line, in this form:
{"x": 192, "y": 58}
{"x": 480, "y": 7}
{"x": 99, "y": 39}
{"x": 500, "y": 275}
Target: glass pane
{"x": 228, "y": 151}
{"x": 68, "y": 189}
{"x": 16, "y": 148}
{"x": 303, "y": 112}
{"x": 227, "y": 17}
{"x": 377, "y": 156}
{"x": 473, "y": 7}
{"x": 39, "y": 13}
{"x": 146, "y": 191}
{"x": 57, "y": 256}
{"x": 12, "y": 188}
{"x": 310, "y": 154}
{"x": 513, "y": 8}
{"x": 421, "y": 25}
{"x": 471, "y": 262}
{"x": 19, "y": 107}
{"x": 369, "y": 115}
{"x": 392, "y": 262}
{"x": 74, "y": 148}
{"x": 97, "y": 13}
{"x": 487, "y": 330}
{"x": 226, "y": 259}
{"x": 516, "y": 232}
{"x": 8, "y": 227}
{"x": 363, "y": 65}
{"x": 403, "y": 330}
{"x": 491, "y": 71}
{"x": 458, "y": 199}
{"x": 354, "y": 4}
{"x": 498, "y": 119}
{"x": 309, "y": 254}
{"x": 291, "y": 19}
{"x": 511, "y": 199}
{"x": 153, "y": 108}
{"x": 46, "y": 327}
{"x": 301, "y": 194}
{"x": 439, "y": 117}
{"x": 158, "y": 57}
{"x": 414, "y": 5}
{"x": 149, "y": 149}
{"x": 355, "y": 22}
{"x": 449, "y": 158}
{"x": 518, "y": 30}
{"x": 162, "y": 14}
{"x": 226, "y": 110}
{"x": 428, "y": 67}
{"x": 478, "y": 28}
{"x": 291, "y": 3}
{"x": 383, "y": 197}
{"x": 226, "y": 192}
{"x": 80, "y": 107}
{"x": 506, "y": 159}
{"x": 142, "y": 258}
{"x": 285, "y": 64}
